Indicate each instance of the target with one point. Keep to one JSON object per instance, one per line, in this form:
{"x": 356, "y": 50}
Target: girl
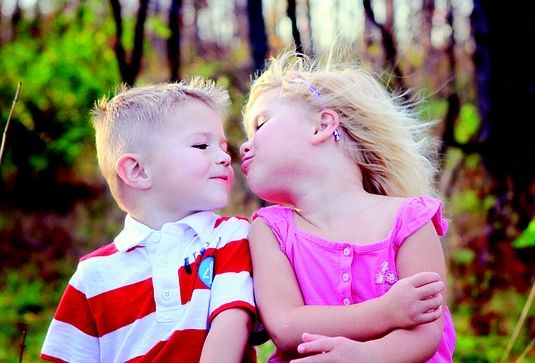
{"x": 350, "y": 169}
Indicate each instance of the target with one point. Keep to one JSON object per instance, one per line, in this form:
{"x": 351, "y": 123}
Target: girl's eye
{"x": 201, "y": 146}
{"x": 261, "y": 122}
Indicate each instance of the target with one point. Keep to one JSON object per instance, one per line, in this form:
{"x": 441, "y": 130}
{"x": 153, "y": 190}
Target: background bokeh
{"x": 468, "y": 61}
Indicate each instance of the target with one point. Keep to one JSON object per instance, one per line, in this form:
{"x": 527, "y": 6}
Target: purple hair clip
{"x": 312, "y": 89}
{"x": 317, "y": 96}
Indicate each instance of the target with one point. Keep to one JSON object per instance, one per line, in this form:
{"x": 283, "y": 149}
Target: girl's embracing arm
{"x": 286, "y": 318}
{"x": 420, "y": 252}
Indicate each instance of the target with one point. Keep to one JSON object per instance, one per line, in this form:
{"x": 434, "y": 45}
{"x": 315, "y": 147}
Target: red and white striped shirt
{"x": 151, "y": 295}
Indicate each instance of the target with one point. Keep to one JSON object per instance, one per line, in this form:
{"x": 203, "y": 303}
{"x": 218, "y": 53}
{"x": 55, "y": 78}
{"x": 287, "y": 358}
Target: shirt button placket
{"x": 345, "y": 270}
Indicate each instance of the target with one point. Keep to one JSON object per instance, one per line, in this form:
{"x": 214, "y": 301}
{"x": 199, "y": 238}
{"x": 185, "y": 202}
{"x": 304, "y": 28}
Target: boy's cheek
{"x": 231, "y": 179}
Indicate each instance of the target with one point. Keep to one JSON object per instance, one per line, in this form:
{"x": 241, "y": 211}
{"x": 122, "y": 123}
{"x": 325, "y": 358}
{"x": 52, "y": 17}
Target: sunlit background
{"x": 467, "y": 61}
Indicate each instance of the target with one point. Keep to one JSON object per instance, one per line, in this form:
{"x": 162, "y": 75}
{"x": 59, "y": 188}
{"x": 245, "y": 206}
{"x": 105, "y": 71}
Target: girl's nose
{"x": 245, "y": 147}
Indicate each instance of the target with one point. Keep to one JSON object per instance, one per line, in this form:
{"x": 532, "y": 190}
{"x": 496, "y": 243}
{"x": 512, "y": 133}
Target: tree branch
{"x": 4, "y": 136}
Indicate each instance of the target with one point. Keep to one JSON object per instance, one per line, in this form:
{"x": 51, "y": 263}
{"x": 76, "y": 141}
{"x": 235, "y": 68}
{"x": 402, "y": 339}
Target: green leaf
{"x": 527, "y": 237}
{"x": 468, "y": 123}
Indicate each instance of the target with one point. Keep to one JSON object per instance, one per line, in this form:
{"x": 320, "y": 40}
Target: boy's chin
{"x": 220, "y": 203}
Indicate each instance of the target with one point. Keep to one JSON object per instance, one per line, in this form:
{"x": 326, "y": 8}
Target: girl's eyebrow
{"x": 264, "y": 114}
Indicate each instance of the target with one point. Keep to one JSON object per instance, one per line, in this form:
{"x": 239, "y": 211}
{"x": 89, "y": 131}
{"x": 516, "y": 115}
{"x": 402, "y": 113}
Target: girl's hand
{"x": 322, "y": 349}
{"x": 414, "y": 300}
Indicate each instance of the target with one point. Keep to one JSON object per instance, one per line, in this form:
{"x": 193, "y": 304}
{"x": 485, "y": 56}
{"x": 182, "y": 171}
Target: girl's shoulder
{"x": 415, "y": 212}
{"x": 273, "y": 212}
{"x": 280, "y": 220}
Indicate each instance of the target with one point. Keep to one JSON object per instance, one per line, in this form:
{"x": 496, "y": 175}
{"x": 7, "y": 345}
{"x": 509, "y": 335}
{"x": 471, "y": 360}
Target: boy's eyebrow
{"x": 208, "y": 134}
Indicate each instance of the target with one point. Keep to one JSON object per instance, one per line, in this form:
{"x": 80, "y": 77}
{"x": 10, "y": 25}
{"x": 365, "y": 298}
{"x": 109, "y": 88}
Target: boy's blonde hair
{"x": 380, "y": 132}
{"x": 127, "y": 122}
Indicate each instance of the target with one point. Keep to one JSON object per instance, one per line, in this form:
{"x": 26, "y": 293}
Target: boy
{"x": 175, "y": 285}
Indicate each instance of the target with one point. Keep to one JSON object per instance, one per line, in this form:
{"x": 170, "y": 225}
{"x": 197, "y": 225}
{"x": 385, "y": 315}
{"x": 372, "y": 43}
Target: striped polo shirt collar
{"x": 136, "y": 233}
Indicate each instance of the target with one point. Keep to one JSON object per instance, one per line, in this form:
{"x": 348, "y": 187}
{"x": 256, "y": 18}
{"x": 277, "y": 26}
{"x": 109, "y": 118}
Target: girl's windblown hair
{"x": 379, "y": 130}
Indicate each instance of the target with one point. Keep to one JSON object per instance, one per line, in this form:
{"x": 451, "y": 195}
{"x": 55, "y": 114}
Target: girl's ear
{"x": 329, "y": 122}
{"x": 131, "y": 171}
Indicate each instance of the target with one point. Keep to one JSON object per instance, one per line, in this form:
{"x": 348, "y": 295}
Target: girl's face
{"x": 272, "y": 157}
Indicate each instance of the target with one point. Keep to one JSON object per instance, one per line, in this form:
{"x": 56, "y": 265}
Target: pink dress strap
{"x": 416, "y": 212}
{"x": 280, "y": 220}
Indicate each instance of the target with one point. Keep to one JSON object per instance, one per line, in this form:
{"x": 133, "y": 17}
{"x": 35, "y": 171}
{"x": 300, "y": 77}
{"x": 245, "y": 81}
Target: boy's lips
{"x": 221, "y": 177}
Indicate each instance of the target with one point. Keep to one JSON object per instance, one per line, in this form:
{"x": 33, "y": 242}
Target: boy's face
{"x": 188, "y": 164}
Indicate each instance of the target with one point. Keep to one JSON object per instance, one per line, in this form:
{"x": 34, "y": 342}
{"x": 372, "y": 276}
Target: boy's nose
{"x": 224, "y": 159}
{"x": 245, "y": 147}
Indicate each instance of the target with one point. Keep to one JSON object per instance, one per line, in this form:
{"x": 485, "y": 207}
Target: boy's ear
{"x": 131, "y": 171}
{"x": 329, "y": 121}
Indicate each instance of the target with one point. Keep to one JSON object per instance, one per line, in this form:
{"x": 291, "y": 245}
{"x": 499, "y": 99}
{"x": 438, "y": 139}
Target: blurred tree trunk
{"x": 129, "y": 69}
{"x": 173, "y": 43}
{"x": 257, "y": 34}
{"x": 506, "y": 95}
{"x": 388, "y": 40}
{"x": 428, "y": 10}
{"x": 454, "y": 102}
{"x": 311, "y": 50}
{"x": 195, "y": 41}
{"x": 1, "y": 24}
{"x": 15, "y": 20}
{"x": 291, "y": 10}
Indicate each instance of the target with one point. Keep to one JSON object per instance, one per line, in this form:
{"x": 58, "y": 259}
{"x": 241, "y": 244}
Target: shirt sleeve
{"x": 415, "y": 213}
{"x": 280, "y": 220}
{"x": 232, "y": 285}
{"x": 72, "y": 335}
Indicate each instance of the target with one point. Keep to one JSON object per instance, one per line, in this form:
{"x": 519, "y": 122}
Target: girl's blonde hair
{"x": 380, "y": 131}
{"x": 127, "y": 122}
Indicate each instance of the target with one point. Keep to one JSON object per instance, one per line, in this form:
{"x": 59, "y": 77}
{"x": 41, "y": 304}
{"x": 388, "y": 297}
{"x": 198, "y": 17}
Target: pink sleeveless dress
{"x": 342, "y": 273}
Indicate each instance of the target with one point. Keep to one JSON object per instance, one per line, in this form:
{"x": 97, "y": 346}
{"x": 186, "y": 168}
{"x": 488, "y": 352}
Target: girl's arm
{"x": 420, "y": 252}
{"x": 286, "y": 318}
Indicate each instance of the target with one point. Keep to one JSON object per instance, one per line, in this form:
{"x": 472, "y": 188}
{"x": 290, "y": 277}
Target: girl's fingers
{"x": 424, "y": 278}
{"x": 432, "y": 303}
{"x": 430, "y": 289}
{"x": 430, "y": 316}
{"x": 319, "y": 344}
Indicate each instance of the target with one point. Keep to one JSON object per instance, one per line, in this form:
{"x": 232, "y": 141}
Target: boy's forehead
{"x": 196, "y": 116}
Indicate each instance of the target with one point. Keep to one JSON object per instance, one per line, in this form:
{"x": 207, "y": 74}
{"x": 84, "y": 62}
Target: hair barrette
{"x": 317, "y": 96}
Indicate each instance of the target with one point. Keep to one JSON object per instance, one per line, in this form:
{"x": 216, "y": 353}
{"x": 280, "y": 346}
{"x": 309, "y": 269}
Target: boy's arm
{"x": 286, "y": 318}
{"x": 420, "y": 252}
{"x": 232, "y": 305}
{"x": 72, "y": 334}
{"x": 227, "y": 338}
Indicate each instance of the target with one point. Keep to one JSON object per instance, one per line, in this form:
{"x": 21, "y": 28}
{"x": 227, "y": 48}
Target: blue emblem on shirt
{"x": 206, "y": 271}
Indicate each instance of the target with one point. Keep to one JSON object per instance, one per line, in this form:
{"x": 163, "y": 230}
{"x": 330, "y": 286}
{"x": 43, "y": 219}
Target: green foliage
{"x": 503, "y": 311}
{"x": 158, "y": 27}
{"x": 26, "y": 301}
{"x": 468, "y": 123}
{"x": 527, "y": 237}
{"x": 63, "y": 71}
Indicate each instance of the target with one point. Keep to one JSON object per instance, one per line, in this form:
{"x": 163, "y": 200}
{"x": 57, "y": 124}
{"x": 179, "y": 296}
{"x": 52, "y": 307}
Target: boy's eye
{"x": 201, "y": 146}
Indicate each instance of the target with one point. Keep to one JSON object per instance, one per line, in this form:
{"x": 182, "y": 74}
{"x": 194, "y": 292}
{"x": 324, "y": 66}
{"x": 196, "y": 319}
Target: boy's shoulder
{"x": 232, "y": 227}
{"x": 230, "y": 220}
{"x": 106, "y": 250}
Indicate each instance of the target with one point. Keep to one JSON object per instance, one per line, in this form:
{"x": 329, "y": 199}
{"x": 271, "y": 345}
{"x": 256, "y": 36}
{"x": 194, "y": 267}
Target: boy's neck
{"x": 155, "y": 219}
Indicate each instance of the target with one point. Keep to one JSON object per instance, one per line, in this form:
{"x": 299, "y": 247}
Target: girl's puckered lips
{"x": 245, "y": 164}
